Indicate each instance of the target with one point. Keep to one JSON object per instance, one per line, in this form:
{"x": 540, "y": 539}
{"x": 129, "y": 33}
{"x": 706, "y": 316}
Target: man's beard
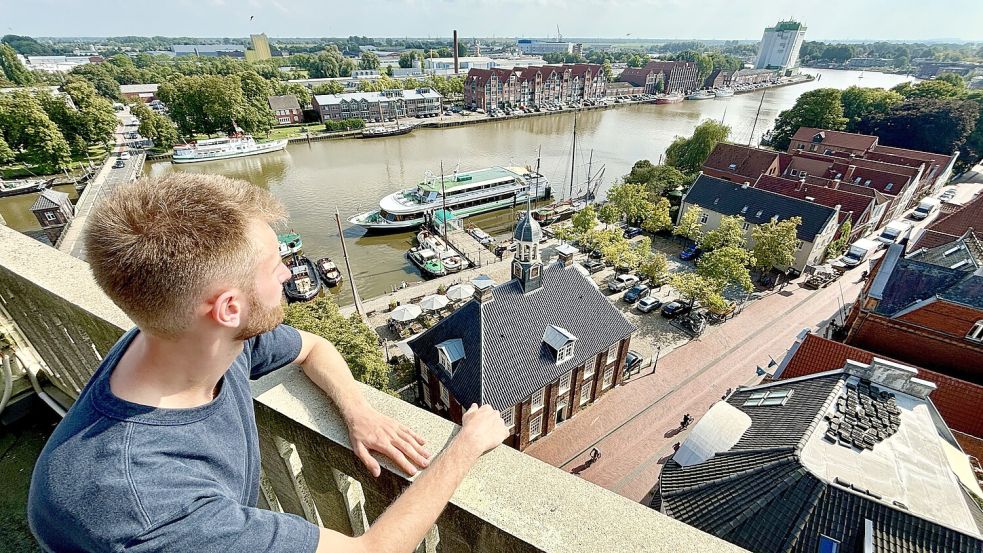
{"x": 261, "y": 319}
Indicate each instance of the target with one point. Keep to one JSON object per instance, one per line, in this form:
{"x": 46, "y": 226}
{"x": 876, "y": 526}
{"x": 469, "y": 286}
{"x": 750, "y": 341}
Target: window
{"x": 612, "y": 353}
{"x": 585, "y": 391}
{"x": 745, "y": 226}
{"x": 769, "y": 398}
{"x": 828, "y": 545}
{"x": 732, "y": 166}
{"x": 509, "y": 418}
{"x": 426, "y": 394}
{"x": 827, "y": 152}
{"x": 537, "y": 400}
{"x": 589, "y": 367}
{"x": 444, "y": 395}
{"x": 565, "y": 352}
{"x": 565, "y": 382}
{"x": 49, "y": 215}
{"x": 793, "y": 172}
{"x": 799, "y": 245}
{"x": 608, "y": 377}
{"x": 703, "y": 218}
{"x": 976, "y": 333}
{"x": 535, "y": 427}
{"x": 889, "y": 186}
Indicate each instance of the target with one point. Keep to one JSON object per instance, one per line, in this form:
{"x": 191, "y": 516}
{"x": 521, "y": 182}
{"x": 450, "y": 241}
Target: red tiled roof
{"x": 835, "y": 139}
{"x": 883, "y": 181}
{"x": 860, "y": 162}
{"x": 634, "y": 75}
{"x": 851, "y": 205}
{"x": 952, "y": 226}
{"x": 958, "y": 401}
{"x": 747, "y": 162}
{"x": 912, "y": 157}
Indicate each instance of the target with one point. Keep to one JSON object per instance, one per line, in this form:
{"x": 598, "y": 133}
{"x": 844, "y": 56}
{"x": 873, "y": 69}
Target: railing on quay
{"x": 509, "y": 502}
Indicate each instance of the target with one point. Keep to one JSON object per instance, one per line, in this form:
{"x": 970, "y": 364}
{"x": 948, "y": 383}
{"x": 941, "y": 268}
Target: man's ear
{"x": 226, "y": 309}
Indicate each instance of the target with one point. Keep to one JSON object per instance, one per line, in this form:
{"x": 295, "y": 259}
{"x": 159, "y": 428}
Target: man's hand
{"x": 370, "y": 430}
{"x": 482, "y": 429}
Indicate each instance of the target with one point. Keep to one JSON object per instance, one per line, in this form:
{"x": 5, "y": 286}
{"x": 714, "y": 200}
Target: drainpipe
{"x": 39, "y": 390}
{"x": 8, "y": 382}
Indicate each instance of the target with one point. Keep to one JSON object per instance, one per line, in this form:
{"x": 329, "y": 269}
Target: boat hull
{"x": 400, "y": 226}
{"x": 291, "y": 291}
{"x": 331, "y": 277}
{"x": 37, "y": 187}
{"x": 370, "y": 133}
{"x": 275, "y": 146}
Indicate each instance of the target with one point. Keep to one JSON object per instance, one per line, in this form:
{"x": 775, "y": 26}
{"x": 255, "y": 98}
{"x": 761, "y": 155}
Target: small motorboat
{"x": 453, "y": 263}
{"x": 303, "y": 284}
{"x": 723, "y": 92}
{"x": 290, "y": 243}
{"x": 427, "y": 261}
{"x": 328, "y": 271}
{"x": 701, "y": 95}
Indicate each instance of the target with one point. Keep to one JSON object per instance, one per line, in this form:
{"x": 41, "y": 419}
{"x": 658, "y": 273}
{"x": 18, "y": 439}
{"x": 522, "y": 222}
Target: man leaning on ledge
{"x": 160, "y": 452}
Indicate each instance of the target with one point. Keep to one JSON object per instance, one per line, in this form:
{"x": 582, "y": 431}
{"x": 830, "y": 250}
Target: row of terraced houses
{"x": 534, "y": 85}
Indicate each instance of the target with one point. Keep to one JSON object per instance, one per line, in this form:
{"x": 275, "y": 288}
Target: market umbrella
{"x": 405, "y": 313}
{"x": 434, "y": 302}
{"x": 460, "y": 292}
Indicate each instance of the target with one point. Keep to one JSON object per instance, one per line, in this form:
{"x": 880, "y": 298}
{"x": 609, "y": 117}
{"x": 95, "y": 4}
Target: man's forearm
{"x": 327, "y": 368}
{"x": 407, "y": 521}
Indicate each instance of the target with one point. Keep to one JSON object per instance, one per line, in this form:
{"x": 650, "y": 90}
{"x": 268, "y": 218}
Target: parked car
{"x": 648, "y": 304}
{"x": 633, "y": 361}
{"x": 119, "y": 164}
{"x": 636, "y": 293}
{"x": 596, "y": 254}
{"x": 674, "y": 309}
{"x": 632, "y": 232}
{"x": 124, "y": 155}
{"x": 622, "y": 282}
{"x": 690, "y": 253}
{"x": 949, "y": 194}
{"x": 593, "y": 266}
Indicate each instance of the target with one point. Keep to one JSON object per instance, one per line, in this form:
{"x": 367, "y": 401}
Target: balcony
{"x": 62, "y": 325}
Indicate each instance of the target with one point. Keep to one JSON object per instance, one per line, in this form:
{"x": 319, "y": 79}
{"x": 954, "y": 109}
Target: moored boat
{"x": 237, "y": 145}
{"x": 427, "y": 261}
{"x": 669, "y": 99}
{"x": 328, "y": 271}
{"x": 386, "y": 130}
{"x": 448, "y": 256}
{"x": 303, "y": 284}
{"x": 700, "y": 95}
{"x": 289, "y": 243}
{"x": 14, "y": 188}
{"x": 723, "y": 92}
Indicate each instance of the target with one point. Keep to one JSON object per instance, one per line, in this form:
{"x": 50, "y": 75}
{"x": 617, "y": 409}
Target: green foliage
{"x": 704, "y": 64}
{"x": 154, "y": 126}
{"x": 727, "y": 264}
{"x": 730, "y": 233}
{"x": 775, "y": 243}
{"x": 926, "y": 124}
{"x": 860, "y": 104}
{"x": 655, "y": 267}
{"x": 658, "y": 218}
{"x": 344, "y": 125}
{"x": 838, "y": 246}
{"x": 26, "y": 46}
{"x": 6, "y": 154}
{"x": 820, "y": 108}
{"x": 599, "y": 239}
{"x": 626, "y": 255}
{"x": 584, "y": 220}
{"x": 938, "y": 89}
{"x": 608, "y": 214}
{"x": 689, "y": 154}
{"x": 953, "y": 79}
{"x": 689, "y": 225}
{"x": 608, "y": 71}
{"x": 368, "y": 61}
{"x": 329, "y": 88}
{"x": 658, "y": 179}
{"x": 839, "y": 53}
{"x": 631, "y": 200}
{"x": 408, "y": 59}
{"x": 695, "y": 287}
{"x": 637, "y": 60}
{"x": 212, "y": 104}
{"x": 31, "y": 134}
{"x": 356, "y": 342}
{"x": 12, "y": 69}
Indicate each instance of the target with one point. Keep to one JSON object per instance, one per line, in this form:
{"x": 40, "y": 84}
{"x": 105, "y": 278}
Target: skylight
{"x": 767, "y": 399}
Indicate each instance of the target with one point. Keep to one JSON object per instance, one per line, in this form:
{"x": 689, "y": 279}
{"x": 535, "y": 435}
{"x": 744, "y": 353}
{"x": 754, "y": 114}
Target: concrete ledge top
{"x": 539, "y": 504}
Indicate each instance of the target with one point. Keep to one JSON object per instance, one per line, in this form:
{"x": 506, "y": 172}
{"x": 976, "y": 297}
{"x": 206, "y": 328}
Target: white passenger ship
{"x": 224, "y": 148}
{"x": 467, "y": 193}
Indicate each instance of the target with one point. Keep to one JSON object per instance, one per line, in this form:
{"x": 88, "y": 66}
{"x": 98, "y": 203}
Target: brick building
{"x": 286, "y": 109}
{"x": 664, "y": 77}
{"x": 145, "y": 92}
{"x": 533, "y": 85}
{"x": 539, "y": 348}
{"x": 952, "y": 225}
{"x": 926, "y": 308}
{"x": 859, "y": 209}
{"x": 53, "y": 211}
{"x": 957, "y": 400}
{"x": 378, "y": 106}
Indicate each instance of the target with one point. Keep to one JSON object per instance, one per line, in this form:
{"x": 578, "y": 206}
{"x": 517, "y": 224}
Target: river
{"x": 352, "y": 175}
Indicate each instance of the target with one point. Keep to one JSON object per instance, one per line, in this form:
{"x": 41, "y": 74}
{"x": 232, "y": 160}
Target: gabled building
{"x": 718, "y": 198}
{"x": 378, "y": 106}
{"x": 539, "y": 348}
{"x": 286, "y": 109}
{"x": 533, "y": 85}
{"x": 951, "y": 226}
{"x": 851, "y": 460}
{"x": 859, "y": 209}
{"x": 742, "y": 164}
{"x": 664, "y": 77}
{"x": 926, "y": 308}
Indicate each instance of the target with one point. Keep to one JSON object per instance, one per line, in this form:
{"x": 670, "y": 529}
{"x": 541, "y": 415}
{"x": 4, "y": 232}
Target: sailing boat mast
{"x": 539, "y": 157}
{"x": 573, "y": 158}
{"x": 590, "y": 161}
{"x": 751, "y": 138}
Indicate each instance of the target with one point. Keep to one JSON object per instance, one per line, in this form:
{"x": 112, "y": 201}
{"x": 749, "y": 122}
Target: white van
{"x": 925, "y": 208}
{"x": 858, "y": 252}
{"x": 896, "y": 232}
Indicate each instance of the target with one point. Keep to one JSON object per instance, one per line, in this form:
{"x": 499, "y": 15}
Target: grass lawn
{"x": 292, "y": 131}
{"x": 79, "y": 161}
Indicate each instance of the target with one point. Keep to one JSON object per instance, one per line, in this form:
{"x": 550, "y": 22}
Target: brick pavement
{"x": 633, "y": 426}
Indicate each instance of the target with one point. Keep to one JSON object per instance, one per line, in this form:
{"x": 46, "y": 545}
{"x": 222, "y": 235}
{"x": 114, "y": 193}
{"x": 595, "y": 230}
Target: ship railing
{"x": 508, "y": 502}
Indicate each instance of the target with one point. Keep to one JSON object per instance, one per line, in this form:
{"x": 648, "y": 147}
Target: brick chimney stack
{"x": 456, "y": 67}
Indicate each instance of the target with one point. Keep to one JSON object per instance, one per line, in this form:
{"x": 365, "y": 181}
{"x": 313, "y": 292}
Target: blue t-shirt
{"x": 118, "y": 476}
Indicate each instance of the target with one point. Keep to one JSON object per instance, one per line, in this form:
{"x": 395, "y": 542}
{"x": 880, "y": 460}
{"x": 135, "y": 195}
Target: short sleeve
{"x": 274, "y": 349}
{"x": 221, "y": 524}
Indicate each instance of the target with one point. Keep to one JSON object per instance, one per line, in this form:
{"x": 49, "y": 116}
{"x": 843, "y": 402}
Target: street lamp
{"x": 655, "y": 363}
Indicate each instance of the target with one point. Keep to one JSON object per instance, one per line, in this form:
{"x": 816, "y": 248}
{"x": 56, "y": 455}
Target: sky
{"x": 672, "y": 19}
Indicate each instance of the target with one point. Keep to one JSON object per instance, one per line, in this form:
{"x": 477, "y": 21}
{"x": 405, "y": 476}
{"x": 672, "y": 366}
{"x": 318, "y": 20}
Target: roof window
{"x": 744, "y": 209}
{"x": 732, "y": 166}
{"x": 976, "y": 333}
{"x": 768, "y": 399}
{"x": 758, "y": 214}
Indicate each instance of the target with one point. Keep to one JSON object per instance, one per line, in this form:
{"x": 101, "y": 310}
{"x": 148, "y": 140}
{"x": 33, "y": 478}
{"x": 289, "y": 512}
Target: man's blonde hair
{"x": 158, "y": 244}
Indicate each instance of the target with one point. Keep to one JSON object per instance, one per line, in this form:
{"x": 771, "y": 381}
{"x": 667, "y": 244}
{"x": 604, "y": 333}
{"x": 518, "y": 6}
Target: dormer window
{"x": 732, "y": 166}
{"x": 976, "y": 333}
{"x": 793, "y": 172}
{"x": 561, "y": 342}
{"x": 744, "y": 210}
{"x": 449, "y": 354}
{"x": 889, "y": 186}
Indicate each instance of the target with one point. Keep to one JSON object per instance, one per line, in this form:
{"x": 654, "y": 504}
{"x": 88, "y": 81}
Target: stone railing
{"x": 508, "y": 502}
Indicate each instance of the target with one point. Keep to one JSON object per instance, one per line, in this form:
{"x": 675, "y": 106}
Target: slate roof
{"x": 50, "y": 199}
{"x": 287, "y": 101}
{"x": 835, "y": 139}
{"x": 528, "y": 230}
{"x": 852, "y": 205}
{"x": 741, "y": 160}
{"x": 949, "y": 271}
{"x": 760, "y": 496}
{"x": 505, "y": 357}
{"x": 728, "y": 198}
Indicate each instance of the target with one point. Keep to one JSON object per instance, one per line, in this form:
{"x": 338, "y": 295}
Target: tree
{"x": 96, "y": 114}
{"x": 6, "y": 154}
{"x": 839, "y": 53}
{"x": 821, "y": 108}
{"x": 689, "y": 154}
{"x": 407, "y": 59}
{"x": 585, "y": 220}
{"x": 631, "y": 201}
{"x": 654, "y": 267}
{"x": 926, "y": 124}
{"x": 355, "y": 341}
{"x": 625, "y": 255}
{"x": 154, "y": 126}
{"x": 608, "y": 71}
{"x": 212, "y": 104}
{"x": 608, "y": 214}
{"x": 658, "y": 179}
{"x": 11, "y": 67}
{"x": 599, "y": 239}
{"x": 704, "y": 64}
{"x": 775, "y": 243}
{"x": 658, "y": 218}
{"x": 727, "y": 265}
{"x": 689, "y": 225}
{"x": 31, "y": 134}
{"x": 695, "y": 287}
{"x": 637, "y": 60}
{"x": 730, "y": 233}
{"x": 329, "y": 88}
{"x": 860, "y": 104}
{"x": 26, "y": 46}
{"x": 938, "y": 89}
{"x": 368, "y": 61}
{"x": 838, "y": 246}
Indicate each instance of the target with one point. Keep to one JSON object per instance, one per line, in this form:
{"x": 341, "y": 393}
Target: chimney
{"x": 746, "y": 185}
{"x": 849, "y": 172}
{"x": 456, "y": 68}
{"x": 836, "y": 184}
{"x": 802, "y": 184}
{"x": 483, "y": 286}
{"x": 891, "y": 375}
{"x": 566, "y": 253}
